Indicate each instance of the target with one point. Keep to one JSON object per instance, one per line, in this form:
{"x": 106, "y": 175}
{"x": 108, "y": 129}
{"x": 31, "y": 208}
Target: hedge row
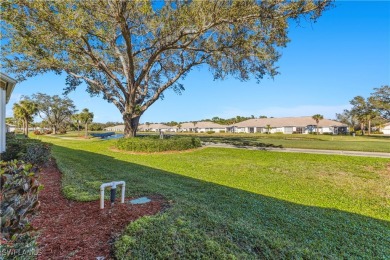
{"x": 152, "y": 144}
{"x": 29, "y": 150}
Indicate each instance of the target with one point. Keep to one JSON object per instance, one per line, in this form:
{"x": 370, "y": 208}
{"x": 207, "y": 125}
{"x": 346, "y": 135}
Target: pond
{"x": 115, "y": 136}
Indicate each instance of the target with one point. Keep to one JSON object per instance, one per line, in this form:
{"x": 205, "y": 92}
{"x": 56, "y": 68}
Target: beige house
{"x": 288, "y": 125}
{"x": 155, "y": 128}
{"x": 7, "y": 85}
{"x": 202, "y": 127}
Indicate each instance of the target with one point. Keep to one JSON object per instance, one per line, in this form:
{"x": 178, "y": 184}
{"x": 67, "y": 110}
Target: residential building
{"x": 288, "y": 125}
{"x": 7, "y": 85}
{"x": 155, "y": 128}
{"x": 386, "y": 129}
{"x": 202, "y": 127}
{"x": 10, "y": 128}
{"x": 115, "y": 128}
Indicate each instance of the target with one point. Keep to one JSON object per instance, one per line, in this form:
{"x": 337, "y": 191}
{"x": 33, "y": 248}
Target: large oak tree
{"x": 130, "y": 52}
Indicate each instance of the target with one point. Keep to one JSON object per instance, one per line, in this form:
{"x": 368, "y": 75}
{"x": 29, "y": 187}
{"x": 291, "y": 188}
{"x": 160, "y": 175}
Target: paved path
{"x": 299, "y": 150}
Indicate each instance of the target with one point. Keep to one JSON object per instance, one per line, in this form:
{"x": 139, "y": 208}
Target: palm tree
{"x": 317, "y": 118}
{"x": 194, "y": 122}
{"x": 25, "y": 111}
{"x": 268, "y": 127}
{"x": 76, "y": 120}
{"x": 86, "y": 117}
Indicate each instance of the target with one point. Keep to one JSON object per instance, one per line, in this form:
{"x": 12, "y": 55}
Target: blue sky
{"x": 344, "y": 54}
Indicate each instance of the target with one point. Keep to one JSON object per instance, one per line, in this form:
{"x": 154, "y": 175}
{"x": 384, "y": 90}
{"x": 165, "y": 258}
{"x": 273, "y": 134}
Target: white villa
{"x": 285, "y": 125}
{"x": 386, "y": 129}
{"x": 288, "y": 125}
{"x": 155, "y": 128}
{"x": 116, "y": 128}
{"x": 202, "y": 127}
{"x": 7, "y": 85}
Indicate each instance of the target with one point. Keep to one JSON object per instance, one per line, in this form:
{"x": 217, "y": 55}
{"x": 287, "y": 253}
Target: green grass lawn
{"x": 374, "y": 143}
{"x": 241, "y": 204}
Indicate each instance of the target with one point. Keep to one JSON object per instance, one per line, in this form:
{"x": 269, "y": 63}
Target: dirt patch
{"x": 80, "y": 230}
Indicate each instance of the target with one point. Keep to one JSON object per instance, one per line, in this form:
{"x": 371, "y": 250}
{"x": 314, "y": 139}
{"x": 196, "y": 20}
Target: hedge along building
{"x": 7, "y": 85}
{"x": 288, "y": 125}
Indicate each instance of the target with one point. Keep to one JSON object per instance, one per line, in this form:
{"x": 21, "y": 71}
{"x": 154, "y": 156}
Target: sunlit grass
{"x": 244, "y": 204}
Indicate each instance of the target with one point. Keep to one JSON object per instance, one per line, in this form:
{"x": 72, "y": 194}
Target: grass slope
{"x": 240, "y": 204}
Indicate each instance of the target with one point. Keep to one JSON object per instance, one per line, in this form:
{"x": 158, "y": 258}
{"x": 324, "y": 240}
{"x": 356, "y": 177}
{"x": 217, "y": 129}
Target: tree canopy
{"x": 380, "y": 99}
{"x": 54, "y": 110}
{"x": 130, "y": 52}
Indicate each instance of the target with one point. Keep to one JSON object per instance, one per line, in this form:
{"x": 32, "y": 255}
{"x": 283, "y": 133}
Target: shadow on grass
{"x": 208, "y": 220}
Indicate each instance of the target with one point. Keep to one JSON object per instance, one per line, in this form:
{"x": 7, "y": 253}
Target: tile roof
{"x": 202, "y": 124}
{"x": 287, "y": 121}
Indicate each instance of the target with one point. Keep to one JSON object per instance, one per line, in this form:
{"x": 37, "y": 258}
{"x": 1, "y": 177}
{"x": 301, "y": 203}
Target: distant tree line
{"x": 216, "y": 119}
{"x": 366, "y": 113}
{"x": 58, "y": 114}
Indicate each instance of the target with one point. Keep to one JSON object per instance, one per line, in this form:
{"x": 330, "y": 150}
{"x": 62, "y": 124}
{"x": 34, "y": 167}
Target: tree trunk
{"x": 86, "y": 130}
{"x": 362, "y": 128}
{"x": 369, "y": 127}
{"x": 26, "y": 127}
{"x": 54, "y": 129}
{"x": 131, "y": 125}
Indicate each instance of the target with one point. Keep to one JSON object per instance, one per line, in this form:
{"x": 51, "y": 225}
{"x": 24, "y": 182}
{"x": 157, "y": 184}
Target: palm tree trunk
{"x": 26, "y": 127}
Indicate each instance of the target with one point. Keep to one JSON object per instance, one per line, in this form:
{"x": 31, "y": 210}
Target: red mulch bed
{"x": 81, "y": 230}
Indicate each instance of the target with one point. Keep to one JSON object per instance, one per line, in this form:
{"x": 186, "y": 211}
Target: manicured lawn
{"x": 241, "y": 204}
{"x": 374, "y": 143}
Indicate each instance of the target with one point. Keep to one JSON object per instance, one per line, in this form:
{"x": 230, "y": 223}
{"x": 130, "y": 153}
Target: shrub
{"x": 19, "y": 193}
{"x": 48, "y": 132}
{"x": 29, "y": 150}
{"x": 36, "y": 153}
{"x": 210, "y": 132}
{"x": 150, "y": 144}
{"x": 222, "y": 131}
{"x": 37, "y": 132}
{"x": 13, "y": 148}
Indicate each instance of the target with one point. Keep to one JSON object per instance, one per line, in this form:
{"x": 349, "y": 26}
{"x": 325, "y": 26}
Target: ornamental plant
{"x": 19, "y": 189}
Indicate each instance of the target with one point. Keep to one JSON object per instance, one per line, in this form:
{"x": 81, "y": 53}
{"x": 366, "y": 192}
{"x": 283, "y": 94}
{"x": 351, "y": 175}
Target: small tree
{"x": 86, "y": 117}
{"x": 347, "y": 117}
{"x": 25, "y": 111}
{"x": 179, "y": 127}
{"x": 317, "y": 118}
